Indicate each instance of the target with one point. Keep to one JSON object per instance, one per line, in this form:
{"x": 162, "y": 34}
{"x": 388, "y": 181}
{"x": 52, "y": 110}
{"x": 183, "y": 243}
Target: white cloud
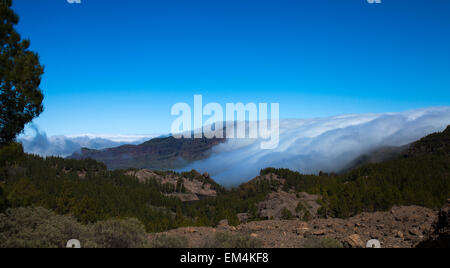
{"x": 64, "y": 146}
{"x": 115, "y": 137}
{"x": 327, "y": 144}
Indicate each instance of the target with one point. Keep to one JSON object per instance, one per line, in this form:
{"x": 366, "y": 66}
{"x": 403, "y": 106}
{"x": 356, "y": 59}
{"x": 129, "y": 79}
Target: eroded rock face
{"x": 300, "y": 205}
{"x": 195, "y": 189}
{"x": 275, "y": 203}
{"x": 355, "y": 241}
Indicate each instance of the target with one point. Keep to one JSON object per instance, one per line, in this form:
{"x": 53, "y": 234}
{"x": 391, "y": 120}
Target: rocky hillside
{"x": 191, "y": 186}
{"x": 384, "y": 200}
{"x": 434, "y": 144}
{"x": 281, "y": 204}
{"x": 377, "y": 156}
{"x": 159, "y": 153}
{"x": 401, "y": 227}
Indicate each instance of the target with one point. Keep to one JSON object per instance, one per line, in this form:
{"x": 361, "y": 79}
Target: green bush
{"x": 128, "y": 233}
{"x": 314, "y": 242}
{"x": 40, "y": 228}
{"x": 35, "y": 227}
{"x": 228, "y": 240}
{"x": 166, "y": 241}
{"x": 286, "y": 214}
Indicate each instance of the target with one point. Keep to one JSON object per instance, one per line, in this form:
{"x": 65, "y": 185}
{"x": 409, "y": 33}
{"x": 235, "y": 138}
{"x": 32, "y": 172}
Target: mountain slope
{"x": 85, "y": 189}
{"x": 377, "y": 156}
{"x": 158, "y": 153}
{"x": 435, "y": 144}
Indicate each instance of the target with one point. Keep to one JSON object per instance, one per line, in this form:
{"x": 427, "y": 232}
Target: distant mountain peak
{"x": 157, "y": 153}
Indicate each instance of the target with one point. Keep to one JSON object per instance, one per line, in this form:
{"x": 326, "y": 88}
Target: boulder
{"x": 223, "y": 223}
{"x": 319, "y": 232}
{"x": 415, "y": 232}
{"x": 355, "y": 241}
{"x": 399, "y": 234}
{"x": 302, "y": 228}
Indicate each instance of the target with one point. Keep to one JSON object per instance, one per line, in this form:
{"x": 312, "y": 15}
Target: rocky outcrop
{"x": 159, "y": 153}
{"x": 300, "y": 205}
{"x": 195, "y": 189}
{"x": 401, "y": 227}
{"x": 440, "y": 235}
{"x": 354, "y": 241}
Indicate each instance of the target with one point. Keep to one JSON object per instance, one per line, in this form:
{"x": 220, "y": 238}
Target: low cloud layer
{"x": 63, "y": 146}
{"x": 322, "y": 144}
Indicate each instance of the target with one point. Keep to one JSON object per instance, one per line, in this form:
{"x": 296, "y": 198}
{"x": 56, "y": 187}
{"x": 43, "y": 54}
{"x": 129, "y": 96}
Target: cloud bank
{"x": 321, "y": 144}
{"x": 63, "y": 146}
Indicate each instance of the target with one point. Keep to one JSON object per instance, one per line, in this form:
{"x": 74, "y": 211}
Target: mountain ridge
{"x": 158, "y": 153}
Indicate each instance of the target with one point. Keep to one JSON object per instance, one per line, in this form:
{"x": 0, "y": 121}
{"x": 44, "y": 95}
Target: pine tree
{"x": 20, "y": 77}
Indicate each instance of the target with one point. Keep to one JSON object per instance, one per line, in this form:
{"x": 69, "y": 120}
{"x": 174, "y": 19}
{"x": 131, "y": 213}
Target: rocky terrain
{"x": 401, "y": 227}
{"x": 195, "y": 188}
{"x": 299, "y": 205}
{"x": 279, "y": 202}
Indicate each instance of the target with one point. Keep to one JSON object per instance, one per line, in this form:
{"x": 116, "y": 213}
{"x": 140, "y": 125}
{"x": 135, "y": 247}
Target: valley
{"x": 396, "y": 201}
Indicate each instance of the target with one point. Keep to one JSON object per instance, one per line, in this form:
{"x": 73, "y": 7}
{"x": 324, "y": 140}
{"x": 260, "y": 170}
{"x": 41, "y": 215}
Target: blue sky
{"x": 118, "y": 66}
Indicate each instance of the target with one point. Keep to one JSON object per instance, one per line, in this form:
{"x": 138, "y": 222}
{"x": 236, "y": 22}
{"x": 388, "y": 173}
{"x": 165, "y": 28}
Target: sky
{"x": 118, "y": 66}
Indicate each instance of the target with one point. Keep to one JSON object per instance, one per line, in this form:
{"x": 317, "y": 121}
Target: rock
{"x": 355, "y": 241}
{"x": 254, "y": 235}
{"x": 319, "y": 232}
{"x": 399, "y": 234}
{"x": 374, "y": 235}
{"x": 191, "y": 230}
{"x": 307, "y": 234}
{"x": 243, "y": 217}
{"x": 301, "y": 230}
{"x": 415, "y": 232}
{"x": 223, "y": 223}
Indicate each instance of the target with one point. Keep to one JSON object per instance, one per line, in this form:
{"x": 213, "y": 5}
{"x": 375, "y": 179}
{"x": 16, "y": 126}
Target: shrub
{"x": 40, "y": 228}
{"x": 36, "y": 227}
{"x": 286, "y": 214}
{"x": 228, "y": 240}
{"x": 128, "y": 233}
{"x": 166, "y": 241}
{"x": 301, "y": 208}
{"x": 314, "y": 242}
